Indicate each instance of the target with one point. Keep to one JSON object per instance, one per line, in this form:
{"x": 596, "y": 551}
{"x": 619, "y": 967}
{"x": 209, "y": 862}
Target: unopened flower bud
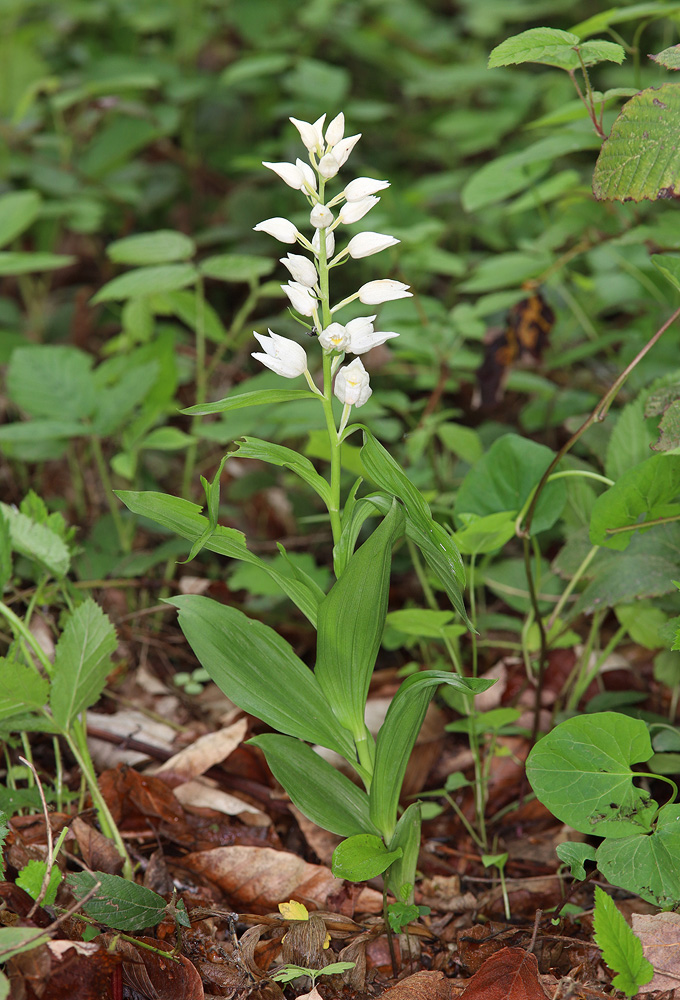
{"x": 365, "y": 244}
{"x": 283, "y": 356}
{"x": 330, "y": 244}
{"x": 280, "y": 229}
{"x": 328, "y": 166}
{"x": 300, "y": 297}
{"x": 335, "y": 130}
{"x": 288, "y": 172}
{"x": 352, "y": 384}
{"x": 342, "y": 149}
{"x": 362, "y": 187}
{"x": 383, "y": 290}
{"x": 307, "y": 173}
{"x": 352, "y": 211}
{"x": 334, "y": 338}
{"x": 301, "y": 269}
{"x": 311, "y": 134}
{"x": 321, "y": 217}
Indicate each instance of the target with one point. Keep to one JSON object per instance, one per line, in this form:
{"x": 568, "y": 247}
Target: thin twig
{"x": 50, "y": 843}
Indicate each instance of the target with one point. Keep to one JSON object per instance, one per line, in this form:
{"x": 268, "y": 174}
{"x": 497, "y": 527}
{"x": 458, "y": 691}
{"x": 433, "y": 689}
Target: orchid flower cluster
{"x": 308, "y": 289}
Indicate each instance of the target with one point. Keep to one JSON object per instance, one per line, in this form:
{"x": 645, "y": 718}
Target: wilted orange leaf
{"x": 510, "y": 974}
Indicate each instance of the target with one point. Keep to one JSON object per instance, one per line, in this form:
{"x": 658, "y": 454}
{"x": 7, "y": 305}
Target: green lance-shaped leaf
{"x": 435, "y": 543}
{"x": 118, "y": 902}
{"x": 401, "y": 877}
{"x": 259, "y": 671}
{"x": 553, "y": 47}
{"x": 324, "y": 794}
{"x": 147, "y": 281}
{"x": 24, "y": 262}
{"x": 647, "y": 865}
{"x": 581, "y": 771}
{"x": 184, "y": 518}
{"x": 277, "y": 454}
{"x": 262, "y": 397}
{"x": 362, "y": 857}
{"x": 18, "y": 211}
{"x": 621, "y": 948}
{"x": 351, "y": 623}
{"x": 643, "y": 493}
{"x": 641, "y": 158}
{"x": 161, "y": 247}
{"x": 81, "y": 662}
{"x": 238, "y": 267}
{"x": 398, "y": 735}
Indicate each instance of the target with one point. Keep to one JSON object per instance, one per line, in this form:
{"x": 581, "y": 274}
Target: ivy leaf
{"x": 641, "y": 158}
{"x": 621, "y": 948}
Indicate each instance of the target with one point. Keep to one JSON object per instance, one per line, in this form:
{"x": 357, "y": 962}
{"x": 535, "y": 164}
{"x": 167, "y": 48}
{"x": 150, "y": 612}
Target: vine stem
{"x": 599, "y": 413}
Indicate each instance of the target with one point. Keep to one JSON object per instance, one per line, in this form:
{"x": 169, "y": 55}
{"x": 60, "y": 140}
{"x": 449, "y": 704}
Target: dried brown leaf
{"x": 660, "y": 936}
{"x": 203, "y": 754}
{"x": 510, "y": 974}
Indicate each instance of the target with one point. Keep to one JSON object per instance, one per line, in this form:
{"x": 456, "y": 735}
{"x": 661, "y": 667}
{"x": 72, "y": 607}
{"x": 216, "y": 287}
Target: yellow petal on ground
{"x": 293, "y": 911}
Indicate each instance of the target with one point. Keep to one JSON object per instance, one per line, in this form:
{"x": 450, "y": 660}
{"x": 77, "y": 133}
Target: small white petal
{"x": 342, "y": 149}
{"x": 288, "y": 172}
{"x": 334, "y": 338}
{"x": 362, "y": 187}
{"x": 335, "y": 130}
{"x": 328, "y": 166}
{"x": 360, "y": 344}
{"x": 330, "y": 244}
{"x": 281, "y": 229}
{"x": 301, "y": 269}
{"x": 383, "y": 290}
{"x": 283, "y": 356}
{"x": 352, "y": 384}
{"x": 352, "y": 211}
{"x": 310, "y": 134}
{"x": 321, "y": 217}
{"x": 365, "y": 244}
{"x": 300, "y": 297}
{"x": 307, "y": 173}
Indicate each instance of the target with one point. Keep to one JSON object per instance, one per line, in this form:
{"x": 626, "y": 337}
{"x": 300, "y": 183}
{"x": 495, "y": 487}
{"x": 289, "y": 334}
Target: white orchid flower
{"x": 365, "y": 244}
{"x": 352, "y": 384}
{"x": 288, "y": 172}
{"x": 328, "y": 166}
{"x": 301, "y": 298}
{"x": 335, "y": 130}
{"x": 321, "y": 217}
{"x": 334, "y": 338}
{"x": 362, "y": 187}
{"x": 383, "y": 290}
{"x": 307, "y": 173}
{"x": 342, "y": 149}
{"x": 281, "y": 229}
{"x": 330, "y": 243}
{"x": 352, "y": 211}
{"x": 362, "y": 337}
{"x": 311, "y": 133}
{"x": 283, "y": 356}
{"x": 301, "y": 269}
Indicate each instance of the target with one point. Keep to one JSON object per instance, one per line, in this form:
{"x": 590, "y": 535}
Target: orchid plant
{"x": 249, "y": 661}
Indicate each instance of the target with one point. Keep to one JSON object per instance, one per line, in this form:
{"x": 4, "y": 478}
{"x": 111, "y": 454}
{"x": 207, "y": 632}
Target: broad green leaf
{"x": 81, "y": 662}
{"x": 317, "y": 788}
{"x": 398, "y": 734}
{"x": 259, "y": 671}
{"x": 52, "y": 381}
{"x": 669, "y": 265}
{"x": 118, "y": 903}
{"x": 185, "y": 306}
{"x": 15, "y": 940}
{"x": 277, "y": 454}
{"x": 647, "y": 865}
{"x": 263, "y": 397}
{"x": 630, "y": 440}
{"x": 485, "y": 722}
{"x": 166, "y": 439}
{"x": 643, "y": 621}
{"x": 484, "y": 534}
{"x": 147, "y": 281}
{"x": 575, "y": 855}
{"x": 362, "y": 857}
{"x": 30, "y": 879}
{"x": 669, "y": 58}
{"x": 506, "y": 270}
{"x": 435, "y": 543}
{"x": 350, "y": 624}
{"x": 18, "y": 262}
{"x": 401, "y": 877}
{"x": 160, "y": 247}
{"x": 665, "y": 402}
{"x": 548, "y": 190}
{"x": 643, "y": 493}
{"x": 618, "y": 15}
{"x": 42, "y": 430}
{"x": 553, "y": 47}
{"x": 504, "y": 478}
{"x": 238, "y": 267}
{"x": 641, "y": 157}
{"x": 621, "y": 948}
{"x": 37, "y": 541}
{"x": 21, "y": 688}
{"x": 581, "y": 772}
{"x": 116, "y": 402}
{"x": 420, "y": 622}
{"x": 185, "y": 519}
{"x": 18, "y": 211}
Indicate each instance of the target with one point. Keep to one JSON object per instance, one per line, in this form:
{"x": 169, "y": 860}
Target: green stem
{"x": 124, "y": 541}
{"x": 643, "y": 524}
{"x": 20, "y": 630}
{"x": 568, "y": 590}
{"x": 201, "y": 376}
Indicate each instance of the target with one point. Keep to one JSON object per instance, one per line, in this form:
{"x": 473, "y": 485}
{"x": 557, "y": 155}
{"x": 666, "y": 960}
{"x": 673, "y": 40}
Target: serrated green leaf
{"x": 37, "y": 541}
{"x": 618, "y": 15}
{"x": 362, "y": 857}
{"x": 601, "y": 51}
{"x": 81, "y": 662}
{"x": 350, "y": 625}
{"x": 621, "y": 948}
{"x": 317, "y": 788}
{"x": 259, "y": 671}
{"x": 21, "y": 688}
{"x": 262, "y": 397}
{"x": 118, "y": 903}
{"x": 668, "y": 58}
{"x": 238, "y": 267}
{"x": 160, "y": 247}
{"x": 643, "y": 493}
{"x": 669, "y": 265}
{"x": 30, "y": 879}
{"x": 553, "y": 47}
{"x": 15, "y": 940}
{"x": 18, "y": 211}
{"x": 575, "y": 855}
{"x": 641, "y": 158}
{"x": 147, "y": 281}
{"x": 581, "y": 772}
{"x": 398, "y": 734}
